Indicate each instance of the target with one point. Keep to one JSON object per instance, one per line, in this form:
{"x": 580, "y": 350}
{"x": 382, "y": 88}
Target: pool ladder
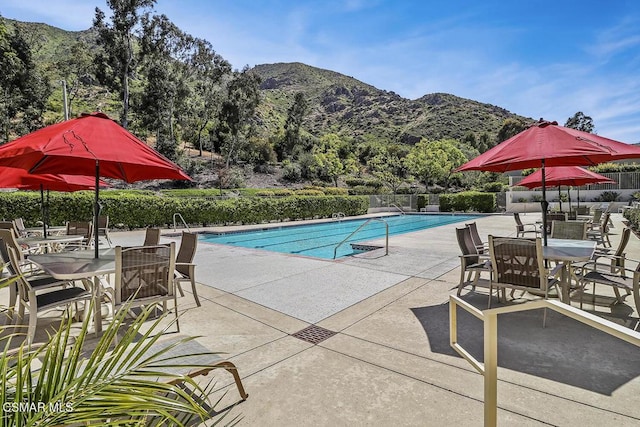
{"x": 402, "y": 212}
{"x": 386, "y": 243}
{"x": 177, "y": 215}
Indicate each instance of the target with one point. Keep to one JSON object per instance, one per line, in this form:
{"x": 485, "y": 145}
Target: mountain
{"x": 342, "y": 104}
{"x": 337, "y": 103}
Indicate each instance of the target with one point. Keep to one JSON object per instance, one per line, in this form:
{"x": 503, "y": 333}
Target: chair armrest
{"x": 185, "y": 263}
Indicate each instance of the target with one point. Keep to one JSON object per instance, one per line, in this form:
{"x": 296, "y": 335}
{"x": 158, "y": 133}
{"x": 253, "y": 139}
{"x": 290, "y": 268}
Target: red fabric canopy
{"x": 574, "y": 176}
{"x": 23, "y": 180}
{"x": 72, "y": 147}
{"x": 553, "y": 144}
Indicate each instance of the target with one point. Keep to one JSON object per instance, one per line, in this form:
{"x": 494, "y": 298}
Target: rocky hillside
{"x": 340, "y": 103}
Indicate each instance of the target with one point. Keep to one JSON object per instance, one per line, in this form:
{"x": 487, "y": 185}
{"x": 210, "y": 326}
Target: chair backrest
{"x": 467, "y": 247}
{"x": 517, "y": 262}
{"x": 103, "y": 222}
{"x": 604, "y": 222}
{"x": 79, "y": 228}
{"x": 19, "y": 223}
{"x": 575, "y": 230}
{"x": 187, "y": 252}
{"x": 475, "y": 236}
{"x": 582, "y": 210}
{"x": 597, "y": 214}
{"x": 519, "y": 225}
{"x": 145, "y": 273}
{"x": 6, "y": 261}
{"x": 151, "y": 237}
{"x": 23, "y": 285}
{"x": 8, "y": 236}
{"x": 556, "y": 216}
{"x": 9, "y": 225}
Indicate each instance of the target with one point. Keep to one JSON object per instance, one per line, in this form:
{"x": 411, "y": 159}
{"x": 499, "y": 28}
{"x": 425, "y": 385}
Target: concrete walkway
{"x": 388, "y": 361}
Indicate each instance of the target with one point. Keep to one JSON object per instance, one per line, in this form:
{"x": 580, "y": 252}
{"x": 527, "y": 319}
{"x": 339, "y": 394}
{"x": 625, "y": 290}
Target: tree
{"x": 236, "y": 114}
{"x": 295, "y": 115}
{"x": 77, "y": 69}
{"x": 389, "y": 166}
{"x": 328, "y": 162}
{"x": 23, "y": 89}
{"x": 209, "y": 71}
{"x": 580, "y": 122}
{"x": 116, "y": 64}
{"x": 510, "y": 127}
{"x": 164, "y": 49}
{"x": 434, "y": 162}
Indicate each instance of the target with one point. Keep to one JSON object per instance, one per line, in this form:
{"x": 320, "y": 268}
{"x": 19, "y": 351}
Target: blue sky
{"x": 545, "y": 59}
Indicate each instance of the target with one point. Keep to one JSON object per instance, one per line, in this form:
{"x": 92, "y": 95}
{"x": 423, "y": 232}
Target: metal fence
{"x": 623, "y": 181}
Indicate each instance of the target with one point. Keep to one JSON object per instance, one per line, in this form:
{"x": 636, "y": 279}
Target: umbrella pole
{"x": 560, "y": 197}
{"x": 96, "y": 210}
{"x": 545, "y": 205}
{"x": 44, "y": 214}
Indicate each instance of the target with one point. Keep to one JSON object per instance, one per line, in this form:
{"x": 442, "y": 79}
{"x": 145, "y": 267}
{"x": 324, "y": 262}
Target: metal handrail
{"x": 386, "y": 245}
{"x": 489, "y": 369}
{"x": 181, "y": 219}
{"x": 398, "y": 207}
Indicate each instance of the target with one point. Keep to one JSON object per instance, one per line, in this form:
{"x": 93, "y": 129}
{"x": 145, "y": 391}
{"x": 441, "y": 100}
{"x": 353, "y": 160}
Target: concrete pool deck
{"x": 389, "y": 362}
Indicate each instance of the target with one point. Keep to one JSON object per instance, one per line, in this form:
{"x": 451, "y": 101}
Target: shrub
{"x": 468, "y": 201}
{"x": 607, "y": 196}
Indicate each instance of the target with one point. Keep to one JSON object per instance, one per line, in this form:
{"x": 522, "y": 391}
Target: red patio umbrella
{"x": 23, "y": 180}
{"x": 547, "y": 144}
{"x": 558, "y": 176}
{"x": 93, "y": 145}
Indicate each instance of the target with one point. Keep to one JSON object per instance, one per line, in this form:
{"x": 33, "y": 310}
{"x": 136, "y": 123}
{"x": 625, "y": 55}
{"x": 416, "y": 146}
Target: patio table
{"x": 80, "y": 265}
{"x": 568, "y": 251}
{"x": 51, "y": 231}
{"x": 48, "y": 242}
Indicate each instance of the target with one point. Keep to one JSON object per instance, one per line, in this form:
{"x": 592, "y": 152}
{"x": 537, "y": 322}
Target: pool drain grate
{"x": 313, "y": 334}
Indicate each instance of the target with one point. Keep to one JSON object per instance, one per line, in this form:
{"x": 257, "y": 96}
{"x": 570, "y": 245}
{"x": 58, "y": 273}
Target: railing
{"x": 398, "y": 207}
{"x": 489, "y": 369}
{"x": 386, "y": 244}
{"x": 177, "y": 215}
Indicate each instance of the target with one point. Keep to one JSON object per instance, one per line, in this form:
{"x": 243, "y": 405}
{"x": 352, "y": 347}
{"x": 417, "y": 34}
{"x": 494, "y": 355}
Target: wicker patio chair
{"x": 518, "y": 264}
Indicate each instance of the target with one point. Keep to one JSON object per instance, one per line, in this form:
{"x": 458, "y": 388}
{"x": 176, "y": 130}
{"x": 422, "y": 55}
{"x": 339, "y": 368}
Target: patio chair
{"x": 518, "y": 264}
{"x": 554, "y": 216}
{"x": 574, "y": 230}
{"x": 103, "y": 228}
{"x": 582, "y": 210}
{"x": 600, "y": 233}
{"x": 145, "y": 275}
{"x": 617, "y": 278}
{"x": 22, "y": 230}
{"x": 80, "y": 228}
{"x": 151, "y": 237}
{"x": 185, "y": 268}
{"x": 10, "y": 225}
{"x": 45, "y": 301}
{"x": 472, "y": 263}
{"x": 475, "y": 236}
{"x": 523, "y": 228}
{"x": 595, "y": 218}
{"x": 189, "y": 353}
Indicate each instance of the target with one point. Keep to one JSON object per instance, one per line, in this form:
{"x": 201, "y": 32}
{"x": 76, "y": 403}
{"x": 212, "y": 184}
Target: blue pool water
{"x": 319, "y": 240}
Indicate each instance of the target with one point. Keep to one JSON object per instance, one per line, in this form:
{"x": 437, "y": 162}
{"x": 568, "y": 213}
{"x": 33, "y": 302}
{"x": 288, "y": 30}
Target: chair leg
{"x": 193, "y": 289}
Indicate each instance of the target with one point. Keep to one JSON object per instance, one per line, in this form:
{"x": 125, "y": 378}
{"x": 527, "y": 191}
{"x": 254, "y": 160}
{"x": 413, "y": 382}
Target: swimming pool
{"x": 320, "y": 239}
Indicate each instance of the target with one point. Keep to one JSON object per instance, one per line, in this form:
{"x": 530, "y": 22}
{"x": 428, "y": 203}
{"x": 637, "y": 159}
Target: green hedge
{"x": 143, "y": 210}
{"x": 468, "y": 201}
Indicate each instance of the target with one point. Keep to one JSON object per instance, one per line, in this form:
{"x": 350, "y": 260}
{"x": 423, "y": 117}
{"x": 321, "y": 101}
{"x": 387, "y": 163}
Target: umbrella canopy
{"x": 91, "y": 145}
{"x": 547, "y": 144}
{"x": 23, "y": 180}
{"x": 557, "y": 176}
{"x": 574, "y": 176}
